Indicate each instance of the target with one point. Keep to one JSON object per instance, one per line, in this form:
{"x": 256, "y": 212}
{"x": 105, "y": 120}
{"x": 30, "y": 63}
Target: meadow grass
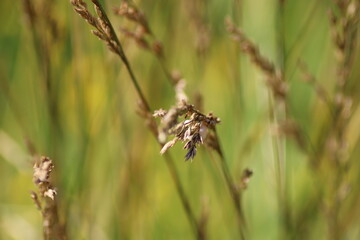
{"x": 280, "y": 75}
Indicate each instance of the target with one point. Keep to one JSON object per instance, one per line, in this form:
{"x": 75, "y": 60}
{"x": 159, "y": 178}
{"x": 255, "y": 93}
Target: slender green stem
{"x": 279, "y": 161}
{"x": 278, "y": 109}
{"x": 169, "y": 161}
{"x": 18, "y": 115}
{"x": 123, "y": 57}
{"x": 181, "y": 192}
{"x": 234, "y": 192}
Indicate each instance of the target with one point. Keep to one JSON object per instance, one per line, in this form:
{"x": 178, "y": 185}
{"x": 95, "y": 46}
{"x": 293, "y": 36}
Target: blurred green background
{"x": 111, "y": 179}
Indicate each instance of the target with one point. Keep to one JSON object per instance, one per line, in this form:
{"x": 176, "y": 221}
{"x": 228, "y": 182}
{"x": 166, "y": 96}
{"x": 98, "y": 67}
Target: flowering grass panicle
{"x": 192, "y": 129}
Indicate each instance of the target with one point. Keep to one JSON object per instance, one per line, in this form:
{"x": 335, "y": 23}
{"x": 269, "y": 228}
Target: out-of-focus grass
{"x": 112, "y": 182}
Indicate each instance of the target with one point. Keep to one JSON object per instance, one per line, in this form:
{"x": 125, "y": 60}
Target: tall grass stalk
{"x": 132, "y": 13}
{"x": 105, "y": 31}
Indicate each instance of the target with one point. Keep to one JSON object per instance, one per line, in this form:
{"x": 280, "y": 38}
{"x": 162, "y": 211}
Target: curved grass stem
{"x": 234, "y": 192}
{"x": 105, "y": 32}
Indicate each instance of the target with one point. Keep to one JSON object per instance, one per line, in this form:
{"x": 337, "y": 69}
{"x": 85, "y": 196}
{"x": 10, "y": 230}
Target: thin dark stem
{"x": 281, "y": 36}
{"x": 41, "y": 47}
{"x": 166, "y": 71}
{"x": 169, "y": 161}
{"x": 278, "y": 110}
{"x": 309, "y": 19}
{"x": 162, "y": 60}
{"x": 184, "y": 200}
{"x": 123, "y": 57}
{"x": 234, "y": 192}
{"x": 279, "y": 161}
{"x": 18, "y": 115}
{"x": 137, "y": 86}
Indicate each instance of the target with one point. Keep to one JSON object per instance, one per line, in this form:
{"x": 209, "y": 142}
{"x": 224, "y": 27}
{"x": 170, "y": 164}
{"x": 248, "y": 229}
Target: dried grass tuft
{"x": 193, "y": 129}
{"x": 45, "y": 199}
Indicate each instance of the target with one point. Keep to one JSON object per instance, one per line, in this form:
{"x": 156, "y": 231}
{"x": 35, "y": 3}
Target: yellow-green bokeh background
{"x": 112, "y": 182}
